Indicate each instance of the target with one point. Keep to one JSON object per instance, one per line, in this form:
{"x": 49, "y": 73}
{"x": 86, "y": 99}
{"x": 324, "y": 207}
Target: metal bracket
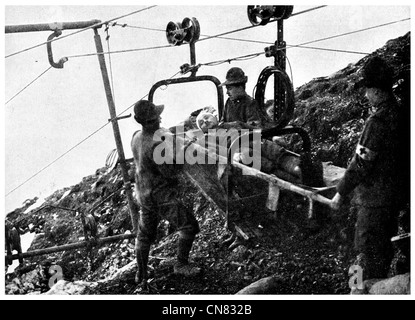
{"x": 59, "y": 64}
{"x": 120, "y": 118}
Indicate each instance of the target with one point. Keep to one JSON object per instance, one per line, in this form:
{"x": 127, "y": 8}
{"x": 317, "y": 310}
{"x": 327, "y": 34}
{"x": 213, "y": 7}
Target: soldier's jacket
{"x": 156, "y": 174}
{"x": 244, "y": 109}
{"x": 374, "y": 172}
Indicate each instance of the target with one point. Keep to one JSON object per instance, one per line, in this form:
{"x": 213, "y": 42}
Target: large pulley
{"x": 187, "y": 31}
{"x": 261, "y": 15}
{"x": 286, "y": 109}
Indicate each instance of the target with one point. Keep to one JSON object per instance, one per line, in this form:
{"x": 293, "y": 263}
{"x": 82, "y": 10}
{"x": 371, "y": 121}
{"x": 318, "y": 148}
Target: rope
{"x": 28, "y": 85}
{"x": 81, "y": 30}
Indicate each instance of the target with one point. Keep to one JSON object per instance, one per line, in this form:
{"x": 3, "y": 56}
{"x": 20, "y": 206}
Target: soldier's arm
{"x": 364, "y": 159}
{"x": 253, "y": 117}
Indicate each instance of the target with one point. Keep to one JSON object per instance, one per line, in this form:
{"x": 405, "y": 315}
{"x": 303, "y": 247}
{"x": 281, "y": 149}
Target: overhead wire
{"x": 73, "y": 147}
{"x": 214, "y": 63}
{"x": 96, "y": 25}
{"x": 30, "y": 83}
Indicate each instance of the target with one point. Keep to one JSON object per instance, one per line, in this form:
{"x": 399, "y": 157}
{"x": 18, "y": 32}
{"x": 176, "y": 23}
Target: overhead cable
{"x": 72, "y": 148}
{"x": 28, "y": 85}
{"x": 78, "y": 31}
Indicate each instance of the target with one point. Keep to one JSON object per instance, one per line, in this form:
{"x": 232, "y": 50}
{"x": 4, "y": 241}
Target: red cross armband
{"x": 365, "y": 153}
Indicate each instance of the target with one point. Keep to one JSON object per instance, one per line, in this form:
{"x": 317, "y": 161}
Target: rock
{"x": 400, "y": 284}
{"x": 124, "y": 272}
{"x": 262, "y": 286}
{"x": 63, "y": 287}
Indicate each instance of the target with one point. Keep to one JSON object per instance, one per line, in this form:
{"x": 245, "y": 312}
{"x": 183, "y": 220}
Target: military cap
{"x": 146, "y": 111}
{"x": 376, "y": 73}
{"x": 235, "y": 76}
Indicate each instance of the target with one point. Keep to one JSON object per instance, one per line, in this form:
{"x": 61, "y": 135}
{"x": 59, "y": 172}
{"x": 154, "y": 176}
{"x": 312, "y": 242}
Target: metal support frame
{"x": 71, "y": 246}
{"x": 213, "y": 79}
{"x": 127, "y": 183}
{"x": 81, "y": 25}
{"x": 279, "y": 95}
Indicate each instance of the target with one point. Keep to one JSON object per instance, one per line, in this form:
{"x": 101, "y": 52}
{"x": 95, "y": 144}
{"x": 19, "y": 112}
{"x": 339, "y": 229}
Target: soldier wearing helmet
{"x": 376, "y": 173}
{"x": 239, "y": 106}
{"x": 156, "y": 187}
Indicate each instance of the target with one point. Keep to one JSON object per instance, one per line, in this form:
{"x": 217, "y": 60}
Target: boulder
{"x": 63, "y": 287}
{"x": 400, "y": 284}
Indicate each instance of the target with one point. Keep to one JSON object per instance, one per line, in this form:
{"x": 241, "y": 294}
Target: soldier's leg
{"x": 146, "y": 234}
{"x": 372, "y": 241}
{"x": 185, "y": 223}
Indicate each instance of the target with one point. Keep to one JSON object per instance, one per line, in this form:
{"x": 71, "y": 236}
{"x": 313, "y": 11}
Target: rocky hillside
{"x": 300, "y": 257}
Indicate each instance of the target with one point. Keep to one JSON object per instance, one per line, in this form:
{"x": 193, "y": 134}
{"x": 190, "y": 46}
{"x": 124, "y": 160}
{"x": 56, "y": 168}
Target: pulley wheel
{"x": 258, "y": 15}
{"x": 175, "y": 33}
{"x": 192, "y": 29}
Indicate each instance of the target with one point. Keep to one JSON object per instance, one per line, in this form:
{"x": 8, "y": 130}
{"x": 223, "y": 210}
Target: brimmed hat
{"x": 235, "y": 76}
{"x": 376, "y": 73}
{"x": 146, "y": 111}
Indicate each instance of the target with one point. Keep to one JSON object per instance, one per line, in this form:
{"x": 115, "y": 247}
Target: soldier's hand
{"x": 336, "y": 202}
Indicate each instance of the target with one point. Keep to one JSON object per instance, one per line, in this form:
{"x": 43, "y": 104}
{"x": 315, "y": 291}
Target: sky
{"x": 67, "y": 106}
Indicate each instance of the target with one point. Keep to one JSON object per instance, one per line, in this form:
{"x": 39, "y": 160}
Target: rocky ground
{"x": 302, "y": 257}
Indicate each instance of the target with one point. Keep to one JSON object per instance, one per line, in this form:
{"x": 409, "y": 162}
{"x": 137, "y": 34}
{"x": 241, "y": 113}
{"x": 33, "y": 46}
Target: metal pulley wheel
{"x": 261, "y": 15}
{"x": 175, "y": 33}
{"x": 192, "y": 29}
{"x": 283, "y": 12}
{"x": 186, "y": 31}
{"x": 286, "y": 109}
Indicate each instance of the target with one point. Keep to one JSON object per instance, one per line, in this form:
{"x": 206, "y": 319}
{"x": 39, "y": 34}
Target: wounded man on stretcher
{"x": 271, "y": 157}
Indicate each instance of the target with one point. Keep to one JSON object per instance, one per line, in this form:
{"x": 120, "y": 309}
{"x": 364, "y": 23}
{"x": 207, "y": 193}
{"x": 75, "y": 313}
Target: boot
{"x": 182, "y": 267}
{"x": 142, "y": 252}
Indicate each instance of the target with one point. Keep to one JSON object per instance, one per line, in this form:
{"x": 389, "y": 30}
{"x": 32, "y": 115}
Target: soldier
{"x": 239, "y": 106}
{"x": 376, "y": 173}
{"x": 156, "y": 191}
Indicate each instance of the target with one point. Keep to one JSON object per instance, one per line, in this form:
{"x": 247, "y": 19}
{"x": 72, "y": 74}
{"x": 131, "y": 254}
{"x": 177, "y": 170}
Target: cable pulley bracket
{"x": 59, "y": 64}
{"x": 272, "y": 51}
{"x": 187, "y": 31}
{"x": 120, "y": 118}
{"x": 261, "y": 15}
{"x": 188, "y": 68}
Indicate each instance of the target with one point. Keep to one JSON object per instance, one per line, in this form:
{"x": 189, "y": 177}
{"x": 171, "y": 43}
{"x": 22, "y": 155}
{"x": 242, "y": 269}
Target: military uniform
{"x": 244, "y": 109}
{"x": 373, "y": 174}
{"x": 156, "y": 184}
{"x": 156, "y": 190}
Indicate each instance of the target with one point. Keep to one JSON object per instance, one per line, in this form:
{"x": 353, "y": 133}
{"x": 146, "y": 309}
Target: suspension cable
{"x": 72, "y": 148}
{"x": 28, "y": 84}
{"x": 356, "y": 31}
{"x": 78, "y": 31}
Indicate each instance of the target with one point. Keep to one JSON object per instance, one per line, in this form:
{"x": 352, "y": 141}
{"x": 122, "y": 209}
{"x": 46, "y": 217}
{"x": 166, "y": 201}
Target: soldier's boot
{"x": 182, "y": 266}
{"x": 142, "y": 252}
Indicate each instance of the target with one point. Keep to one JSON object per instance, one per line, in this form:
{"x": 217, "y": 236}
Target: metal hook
{"x": 59, "y": 64}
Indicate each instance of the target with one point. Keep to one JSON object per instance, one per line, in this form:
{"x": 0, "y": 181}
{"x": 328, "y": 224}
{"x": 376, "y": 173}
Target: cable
{"x": 76, "y": 32}
{"x": 327, "y": 49}
{"x": 302, "y": 45}
{"x": 120, "y": 51}
{"x": 61, "y": 156}
{"x": 72, "y": 148}
{"x": 28, "y": 85}
{"x": 356, "y": 31}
